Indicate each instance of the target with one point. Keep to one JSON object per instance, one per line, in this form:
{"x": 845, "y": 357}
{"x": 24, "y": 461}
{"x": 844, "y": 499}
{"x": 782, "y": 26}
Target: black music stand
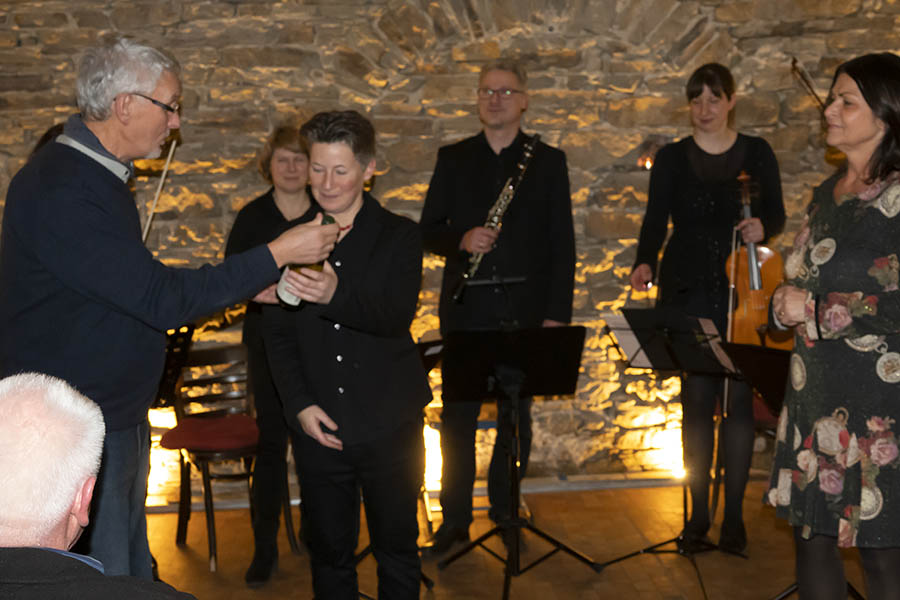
{"x": 766, "y": 370}
{"x": 545, "y": 361}
{"x": 668, "y": 340}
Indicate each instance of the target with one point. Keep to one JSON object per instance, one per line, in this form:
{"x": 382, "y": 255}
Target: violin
{"x": 754, "y": 271}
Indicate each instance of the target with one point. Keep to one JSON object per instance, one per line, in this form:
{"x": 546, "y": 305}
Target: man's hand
{"x": 479, "y": 240}
{"x": 641, "y": 278}
{"x": 304, "y": 244}
{"x": 267, "y": 296}
{"x": 312, "y": 418}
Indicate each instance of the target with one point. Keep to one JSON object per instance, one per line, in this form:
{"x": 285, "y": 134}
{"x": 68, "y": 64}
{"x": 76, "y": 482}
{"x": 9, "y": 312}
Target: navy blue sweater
{"x": 81, "y": 298}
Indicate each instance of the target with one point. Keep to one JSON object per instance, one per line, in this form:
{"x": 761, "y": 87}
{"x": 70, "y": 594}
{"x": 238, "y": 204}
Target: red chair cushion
{"x": 227, "y": 432}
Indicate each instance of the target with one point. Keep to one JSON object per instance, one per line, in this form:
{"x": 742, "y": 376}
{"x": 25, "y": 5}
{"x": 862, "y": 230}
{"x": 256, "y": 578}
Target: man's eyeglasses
{"x": 502, "y": 93}
{"x": 172, "y": 108}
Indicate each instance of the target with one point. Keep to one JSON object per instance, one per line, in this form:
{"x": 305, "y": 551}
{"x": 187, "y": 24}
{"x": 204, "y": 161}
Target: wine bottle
{"x": 285, "y": 298}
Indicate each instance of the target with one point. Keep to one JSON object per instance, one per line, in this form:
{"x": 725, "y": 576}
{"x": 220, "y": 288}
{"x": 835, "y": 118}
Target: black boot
{"x": 262, "y": 567}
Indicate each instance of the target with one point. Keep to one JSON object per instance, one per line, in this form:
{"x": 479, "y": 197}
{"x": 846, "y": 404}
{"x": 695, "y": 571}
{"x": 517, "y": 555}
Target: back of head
{"x": 342, "y": 126}
{"x": 118, "y": 66}
{"x": 715, "y": 76}
{"x": 878, "y": 78}
{"x": 51, "y": 439}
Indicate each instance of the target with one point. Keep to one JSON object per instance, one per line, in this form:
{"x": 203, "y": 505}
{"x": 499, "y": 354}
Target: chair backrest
{"x": 178, "y": 344}
{"x": 213, "y": 382}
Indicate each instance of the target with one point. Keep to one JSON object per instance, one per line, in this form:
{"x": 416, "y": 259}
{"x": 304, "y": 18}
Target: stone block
{"x": 603, "y": 225}
{"x": 406, "y": 26}
{"x": 480, "y": 51}
{"x": 221, "y": 33}
{"x": 653, "y": 14}
{"x": 417, "y": 155}
{"x": 644, "y": 111}
{"x": 757, "y": 109}
{"x": 91, "y": 19}
{"x": 23, "y": 83}
{"x": 27, "y": 19}
{"x": 251, "y": 57}
{"x": 450, "y": 89}
{"x": 68, "y": 42}
{"x": 296, "y": 32}
{"x": 135, "y": 16}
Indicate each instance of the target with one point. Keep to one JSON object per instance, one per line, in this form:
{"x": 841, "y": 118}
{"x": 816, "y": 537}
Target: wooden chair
{"x": 214, "y": 424}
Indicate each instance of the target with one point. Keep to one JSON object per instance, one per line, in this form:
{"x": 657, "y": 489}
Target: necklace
{"x": 345, "y": 227}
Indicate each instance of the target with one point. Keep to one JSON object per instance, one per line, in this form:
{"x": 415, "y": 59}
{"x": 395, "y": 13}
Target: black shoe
{"x": 443, "y": 540}
{"x": 733, "y": 539}
{"x": 693, "y": 539}
{"x": 262, "y": 567}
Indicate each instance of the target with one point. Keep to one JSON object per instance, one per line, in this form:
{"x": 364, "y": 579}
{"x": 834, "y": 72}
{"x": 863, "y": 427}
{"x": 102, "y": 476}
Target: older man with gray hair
{"x": 82, "y": 299}
{"x": 51, "y": 438}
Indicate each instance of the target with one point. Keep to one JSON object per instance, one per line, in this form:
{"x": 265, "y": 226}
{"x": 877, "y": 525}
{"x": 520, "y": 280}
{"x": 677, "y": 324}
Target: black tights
{"x": 699, "y": 396}
{"x": 820, "y": 570}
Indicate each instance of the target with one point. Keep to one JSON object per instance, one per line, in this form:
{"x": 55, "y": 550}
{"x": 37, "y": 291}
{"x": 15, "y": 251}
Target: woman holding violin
{"x": 835, "y": 475}
{"x": 695, "y": 183}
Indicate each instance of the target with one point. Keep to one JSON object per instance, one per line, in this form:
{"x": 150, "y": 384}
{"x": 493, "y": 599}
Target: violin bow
{"x": 159, "y": 187}
{"x": 806, "y": 81}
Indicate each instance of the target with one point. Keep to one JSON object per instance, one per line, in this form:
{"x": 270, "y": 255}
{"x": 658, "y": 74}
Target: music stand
{"x": 766, "y": 370}
{"x": 665, "y": 339}
{"x": 546, "y": 361}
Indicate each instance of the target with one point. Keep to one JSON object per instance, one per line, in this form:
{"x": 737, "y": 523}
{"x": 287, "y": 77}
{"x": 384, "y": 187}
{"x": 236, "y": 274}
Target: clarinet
{"x": 495, "y": 215}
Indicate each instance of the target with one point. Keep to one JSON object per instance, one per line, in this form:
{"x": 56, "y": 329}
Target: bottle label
{"x": 281, "y": 290}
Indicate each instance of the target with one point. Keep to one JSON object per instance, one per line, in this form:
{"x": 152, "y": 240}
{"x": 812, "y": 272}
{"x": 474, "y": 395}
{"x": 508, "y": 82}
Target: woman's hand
{"x": 789, "y": 305}
{"x": 751, "y": 230}
{"x": 312, "y": 418}
{"x": 641, "y": 278}
{"x": 267, "y": 296}
{"x": 311, "y": 285}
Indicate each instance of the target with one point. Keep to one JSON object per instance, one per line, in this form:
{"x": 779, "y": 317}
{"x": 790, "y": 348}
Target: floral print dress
{"x": 836, "y": 457}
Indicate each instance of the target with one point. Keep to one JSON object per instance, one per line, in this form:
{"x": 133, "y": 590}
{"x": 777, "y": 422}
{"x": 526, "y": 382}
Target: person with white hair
{"x": 51, "y": 439}
{"x": 83, "y": 299}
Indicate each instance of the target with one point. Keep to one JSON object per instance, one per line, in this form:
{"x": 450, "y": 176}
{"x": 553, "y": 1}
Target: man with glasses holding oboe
{"x": 525, "y": 270}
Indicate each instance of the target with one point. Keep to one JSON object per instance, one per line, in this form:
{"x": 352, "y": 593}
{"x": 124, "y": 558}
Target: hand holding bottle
{"x": 322, "y": 222}
{"x": 305, "y": 244}
{"x": 312, "y": 283}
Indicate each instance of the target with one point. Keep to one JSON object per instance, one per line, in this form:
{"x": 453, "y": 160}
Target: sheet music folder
{"x": 550, "y": 357}
{"x": 666, "y": 339}
{"x": 765, "y": 369}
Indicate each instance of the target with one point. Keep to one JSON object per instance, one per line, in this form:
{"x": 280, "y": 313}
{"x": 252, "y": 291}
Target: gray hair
{"x": 118, "y": 66}
{"x": 507, "y": 64}
{"x": 51, "y": 441}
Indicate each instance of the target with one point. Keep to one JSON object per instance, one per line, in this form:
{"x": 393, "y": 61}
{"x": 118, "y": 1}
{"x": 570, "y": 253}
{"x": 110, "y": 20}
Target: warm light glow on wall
{"x": 164, "y": 465}
{"x": 433, "y": 461}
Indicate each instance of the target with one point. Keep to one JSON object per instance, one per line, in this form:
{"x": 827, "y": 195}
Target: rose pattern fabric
{"x": 837, "y": 456}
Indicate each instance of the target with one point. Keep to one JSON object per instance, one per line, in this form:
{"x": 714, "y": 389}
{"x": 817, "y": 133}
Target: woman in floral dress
{"x": 835, "y": 476}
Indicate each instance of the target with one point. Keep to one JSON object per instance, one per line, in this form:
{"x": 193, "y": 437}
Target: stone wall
{"x": 604, "y": 75}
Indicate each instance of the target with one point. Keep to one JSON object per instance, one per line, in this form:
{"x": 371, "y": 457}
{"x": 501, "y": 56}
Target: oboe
{"x": 495, "y": 215}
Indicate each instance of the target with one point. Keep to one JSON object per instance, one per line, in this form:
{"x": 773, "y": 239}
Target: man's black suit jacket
{"x": 536, "y": 240}
{"x": 39, "y": 574}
